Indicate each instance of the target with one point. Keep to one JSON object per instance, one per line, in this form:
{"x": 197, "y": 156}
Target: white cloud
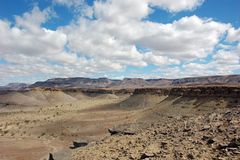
{"x": 77, "y": 6}
{"x": 119, "y": 26}
{"x": 150, "y": 58}
{"x": 33, "y": 20}
{"x": 187, "y": 38}
{"x": 121, "y": 11}
{"x": 233, "y": 35}
{"x": 22, "y": 41}
{"x": 96, "y": 42}
{"x": 224, "y": 62}
{"x": 177, "y": 5}
{"x": 227, "y": 57}
{"x": 27, "y": 37}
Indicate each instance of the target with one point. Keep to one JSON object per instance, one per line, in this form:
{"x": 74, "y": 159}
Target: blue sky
{"x": 226, "y": 11}
{"x": 116, "y": 39}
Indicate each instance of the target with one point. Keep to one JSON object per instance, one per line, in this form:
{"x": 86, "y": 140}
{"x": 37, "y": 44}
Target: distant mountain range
{"x": 81, "y": 82}
{"x": 15, "y": 86}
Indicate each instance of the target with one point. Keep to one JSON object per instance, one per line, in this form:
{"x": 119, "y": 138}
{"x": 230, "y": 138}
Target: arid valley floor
{"x": 177, "y": 123}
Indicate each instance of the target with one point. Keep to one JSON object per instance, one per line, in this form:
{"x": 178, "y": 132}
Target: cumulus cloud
{"x": 27, "y": 37}
{"x": 175, "y": 5}
{"x": 150, "y": 58}
{"x": 233, "y": 35}
{"x": 33, "y": 20}
{"x": 227, "y": 57}
{"x": 76, "y": 6}
{"x": 187, "y": 38}
{"x": 121, "y": 11}
{"x": 223, "y": 62}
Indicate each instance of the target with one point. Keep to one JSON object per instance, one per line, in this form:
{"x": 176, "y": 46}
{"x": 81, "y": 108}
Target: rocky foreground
{"x": 214, "y": 135}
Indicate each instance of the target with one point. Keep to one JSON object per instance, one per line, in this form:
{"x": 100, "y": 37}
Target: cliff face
{"x": 199, "y": 91}
{"x": 158, "y": 91}
{"x": 212, "y": 91}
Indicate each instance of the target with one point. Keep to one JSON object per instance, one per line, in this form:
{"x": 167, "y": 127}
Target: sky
{"x": 118, "y": 39}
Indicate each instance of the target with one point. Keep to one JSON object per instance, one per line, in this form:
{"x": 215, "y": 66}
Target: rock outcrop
{"x": 200, "y": 91}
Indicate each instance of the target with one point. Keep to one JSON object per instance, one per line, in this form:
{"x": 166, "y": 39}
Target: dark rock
{"x": 187, "y": 129}
{"x": 220, "y": 129}
{"x": 146, "y": 155}
{"x": 221, "y": 146}
{"x": 163, "y": 133}
{"x": 164, "y": 145}
{"x": 78, "y": 144}
{"x": 114, "y": 131}
{"x": 50, "y": 156}
{"x": 177, "y": 155}
{"x": 204, "y": 138}
{"x": 235, "y": 143}
{"x": 190, "y": 156}
{"x": 209, "y": 140}
{"x": 228, "y": 116}
{"x": 227, "y": 113}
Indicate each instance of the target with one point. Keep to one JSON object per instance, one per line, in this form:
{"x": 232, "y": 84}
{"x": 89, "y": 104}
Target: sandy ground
{"x": 32, "y": 132}
{"x": 27, "y": 148}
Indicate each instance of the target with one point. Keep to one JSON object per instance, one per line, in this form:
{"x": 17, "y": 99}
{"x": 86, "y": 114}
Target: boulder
{"x": 50, "y": 156}
{"x": 78, "y": 144}
{"x": 146, "y": 155}
{"x": 209, "y": 140}
{"x": 114, "y": 131}
{"x": 234, "y": 143}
